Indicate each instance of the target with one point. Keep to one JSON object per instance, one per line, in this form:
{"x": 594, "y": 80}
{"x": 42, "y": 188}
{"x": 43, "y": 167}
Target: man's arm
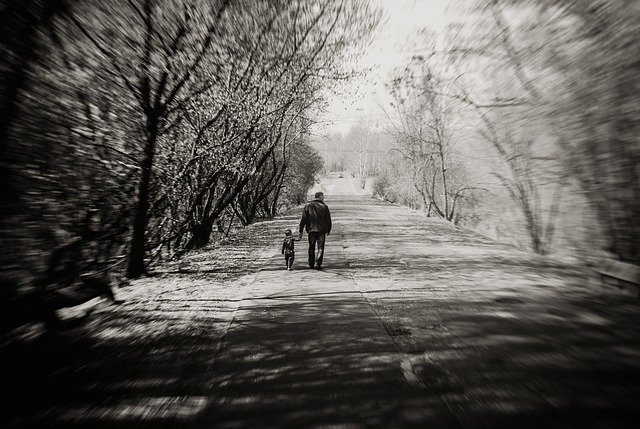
{"x": 303, "y": 221}
{"x": 284, "y": 244}
{"x": 328, "y": 220}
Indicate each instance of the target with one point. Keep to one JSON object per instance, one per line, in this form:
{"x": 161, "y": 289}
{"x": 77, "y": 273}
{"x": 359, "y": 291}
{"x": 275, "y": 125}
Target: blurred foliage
{"x": 536, "y": 106}
{"x": 130, "y": 130}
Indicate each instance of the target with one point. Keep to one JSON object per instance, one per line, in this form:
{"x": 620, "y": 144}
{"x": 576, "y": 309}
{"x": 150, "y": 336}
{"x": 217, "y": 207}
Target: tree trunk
{"x": 276, "y": 193}
{"x": 443, "y": 170}
{"x": 244, "y": 221}
{"x": 201, "y": 234}
{"x": 233, "y": 215}
{"x": 273, "y": 209}
{"x": 533, "y": 228}
{"x": 136, "y": 267}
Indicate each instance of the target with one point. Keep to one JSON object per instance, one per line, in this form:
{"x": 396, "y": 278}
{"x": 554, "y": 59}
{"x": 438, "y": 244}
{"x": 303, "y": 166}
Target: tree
{"x": 150, "y": 119}
{"x": 361, "y": 142}
{"x": 304, "y": 165}
{"x": 541, "y": 85}
{"x": 274, "y": 92}
{"x": 424, "y": 130}
{"x": 157, "y": 69}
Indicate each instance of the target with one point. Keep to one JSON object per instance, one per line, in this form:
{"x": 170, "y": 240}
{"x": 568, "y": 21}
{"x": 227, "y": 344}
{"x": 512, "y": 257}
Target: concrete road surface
{"x": 413, "y": 323}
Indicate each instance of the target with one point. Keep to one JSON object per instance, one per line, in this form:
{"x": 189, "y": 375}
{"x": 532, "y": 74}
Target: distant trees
{"x": 329, "y": 146}
{"x": 362, "y": 142}
{"x": 360, "y": 150}
{"x": 160, "y": 119}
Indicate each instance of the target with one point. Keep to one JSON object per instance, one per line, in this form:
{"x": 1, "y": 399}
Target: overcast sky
{"x": 388, "y": 50}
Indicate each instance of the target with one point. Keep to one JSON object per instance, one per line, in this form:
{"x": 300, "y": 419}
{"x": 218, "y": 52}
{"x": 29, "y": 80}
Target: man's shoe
{"x": 318, "y": 267}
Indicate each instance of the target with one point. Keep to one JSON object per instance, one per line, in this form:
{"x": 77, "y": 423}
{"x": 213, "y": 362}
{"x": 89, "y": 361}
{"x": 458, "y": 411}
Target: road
{"x": 413, "y": 323}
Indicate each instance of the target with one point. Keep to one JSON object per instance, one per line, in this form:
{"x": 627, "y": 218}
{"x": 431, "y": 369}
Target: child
{"x": 288, "y": 249}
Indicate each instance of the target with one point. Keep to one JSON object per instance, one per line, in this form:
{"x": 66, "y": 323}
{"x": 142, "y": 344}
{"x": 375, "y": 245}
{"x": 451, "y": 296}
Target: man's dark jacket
{"x": 316, "y": 217}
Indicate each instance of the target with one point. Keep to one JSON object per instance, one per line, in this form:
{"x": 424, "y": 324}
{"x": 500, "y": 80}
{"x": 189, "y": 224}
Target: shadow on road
{"x": 301, "y": 360}
{"x": 428, "y": 326}
{"x": 292, "y": 363}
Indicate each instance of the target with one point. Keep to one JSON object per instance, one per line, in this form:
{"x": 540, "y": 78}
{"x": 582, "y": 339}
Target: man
{"x": 317, "y": 221}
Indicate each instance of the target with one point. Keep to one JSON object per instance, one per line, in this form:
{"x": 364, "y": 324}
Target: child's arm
{"x": 284, "y": 244}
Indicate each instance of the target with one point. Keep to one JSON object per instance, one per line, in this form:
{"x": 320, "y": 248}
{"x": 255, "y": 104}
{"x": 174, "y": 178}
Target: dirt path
{"x": 413, "y": 323}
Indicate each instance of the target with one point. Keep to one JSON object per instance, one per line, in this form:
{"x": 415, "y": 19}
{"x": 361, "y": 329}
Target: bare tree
{"x": 425, "y": 133}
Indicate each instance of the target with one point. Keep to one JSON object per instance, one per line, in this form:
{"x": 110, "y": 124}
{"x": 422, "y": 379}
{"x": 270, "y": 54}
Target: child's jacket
{"x": 288, "y": 246}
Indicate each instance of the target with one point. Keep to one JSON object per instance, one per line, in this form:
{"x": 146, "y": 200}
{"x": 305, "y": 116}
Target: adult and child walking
{"x": 316, "y": 220}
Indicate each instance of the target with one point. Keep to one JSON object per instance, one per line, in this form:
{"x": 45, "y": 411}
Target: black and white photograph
{"x": 328, "y": 214}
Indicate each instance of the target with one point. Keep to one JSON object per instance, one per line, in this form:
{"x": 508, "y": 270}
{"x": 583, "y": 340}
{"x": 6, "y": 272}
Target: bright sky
{"x": 389, "y": 49}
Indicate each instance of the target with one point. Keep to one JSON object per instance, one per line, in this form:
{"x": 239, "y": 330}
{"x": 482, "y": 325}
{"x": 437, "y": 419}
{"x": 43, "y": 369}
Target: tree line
{"x": 133, "y": 131}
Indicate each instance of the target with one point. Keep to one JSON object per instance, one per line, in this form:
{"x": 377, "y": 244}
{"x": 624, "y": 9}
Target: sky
{"x": 389, "y": 49}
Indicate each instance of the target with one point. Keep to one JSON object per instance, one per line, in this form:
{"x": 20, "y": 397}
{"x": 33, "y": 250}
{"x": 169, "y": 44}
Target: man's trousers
{"x": 316, "y": 239}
